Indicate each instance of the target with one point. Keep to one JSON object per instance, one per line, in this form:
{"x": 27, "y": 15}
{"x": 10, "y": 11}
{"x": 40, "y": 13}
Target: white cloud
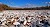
{"x": 26, "y": 6}
{"x": 30, "y": 5}
{"x": 16, "y": 6}
{"x": 1, "y": 3}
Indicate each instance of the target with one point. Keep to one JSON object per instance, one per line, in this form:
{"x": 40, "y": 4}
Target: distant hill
{"x": 5, "y": 7}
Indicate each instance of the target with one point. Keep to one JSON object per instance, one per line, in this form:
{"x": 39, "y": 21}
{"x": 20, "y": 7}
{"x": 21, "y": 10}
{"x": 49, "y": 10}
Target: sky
{"x": 24, "y": 3}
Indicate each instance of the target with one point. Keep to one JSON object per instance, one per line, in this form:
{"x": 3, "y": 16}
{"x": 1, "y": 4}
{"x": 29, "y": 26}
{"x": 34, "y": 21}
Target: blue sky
{"x": 18, "y": 3}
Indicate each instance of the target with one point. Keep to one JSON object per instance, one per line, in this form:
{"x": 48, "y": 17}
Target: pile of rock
{"x": 25, "y": 19}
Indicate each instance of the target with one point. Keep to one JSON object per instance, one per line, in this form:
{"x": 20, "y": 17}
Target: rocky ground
{"x": 25, "y": 18}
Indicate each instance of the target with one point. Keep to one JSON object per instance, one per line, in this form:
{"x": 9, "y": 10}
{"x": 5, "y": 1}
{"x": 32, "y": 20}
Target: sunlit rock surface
{"x": 25, "y": 18}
